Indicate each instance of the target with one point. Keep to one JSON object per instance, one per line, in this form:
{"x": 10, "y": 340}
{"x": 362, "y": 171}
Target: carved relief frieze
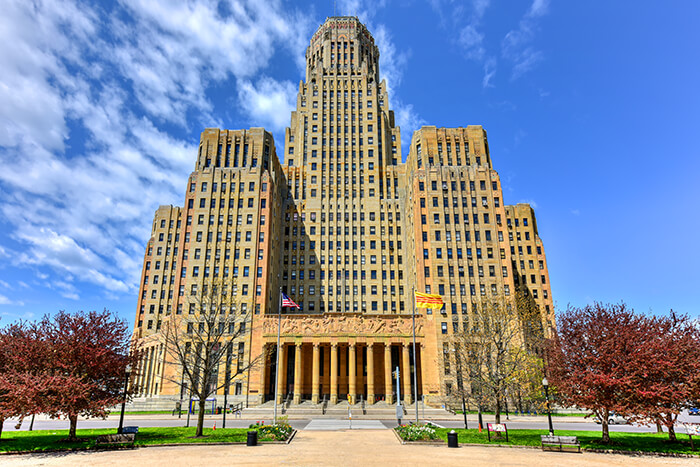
{"x": 343, "y": 325}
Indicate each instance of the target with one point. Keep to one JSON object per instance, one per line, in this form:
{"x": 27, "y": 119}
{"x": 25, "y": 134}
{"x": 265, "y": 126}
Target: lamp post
{"x": 127, "y": 372}
{"x": 545, "y": 383}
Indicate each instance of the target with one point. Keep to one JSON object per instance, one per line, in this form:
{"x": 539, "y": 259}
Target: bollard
{"x": 252, "y": 438}
{"x": 452, "y": 441}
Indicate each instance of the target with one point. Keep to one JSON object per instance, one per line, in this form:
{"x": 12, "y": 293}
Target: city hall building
{"x": 348, "y": 231}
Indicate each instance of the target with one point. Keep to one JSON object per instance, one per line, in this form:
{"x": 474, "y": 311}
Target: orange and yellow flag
{"x": 424, "y": 300}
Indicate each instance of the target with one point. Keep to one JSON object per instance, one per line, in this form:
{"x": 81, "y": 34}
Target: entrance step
{"x": 342, "y": 410}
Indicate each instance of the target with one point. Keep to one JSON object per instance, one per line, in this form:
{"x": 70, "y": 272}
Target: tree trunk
{"x": 659, "y": 427}
{"x": 670, "y": 422}
{"x": 498, "y": 409}
{"x": 73, "y": 425}
{"x": 604, "y": 424}
{"x": 200, "y": 417}
{"x": 2, "y": 422}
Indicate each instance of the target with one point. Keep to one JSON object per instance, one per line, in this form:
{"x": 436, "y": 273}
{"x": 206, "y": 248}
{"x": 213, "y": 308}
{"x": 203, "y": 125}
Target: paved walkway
{"x": 322, "y": 448}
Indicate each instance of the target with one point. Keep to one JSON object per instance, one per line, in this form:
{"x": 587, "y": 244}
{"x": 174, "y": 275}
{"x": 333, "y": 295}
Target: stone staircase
{"x": 377, "y": 411}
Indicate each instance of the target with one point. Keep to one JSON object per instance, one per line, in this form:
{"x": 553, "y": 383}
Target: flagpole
{"x": 277, "y": 365}
{"x": 415, "y": 366}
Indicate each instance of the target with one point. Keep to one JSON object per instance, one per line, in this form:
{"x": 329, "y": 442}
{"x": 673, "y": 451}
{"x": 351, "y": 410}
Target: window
{"x": 443, "y": 327}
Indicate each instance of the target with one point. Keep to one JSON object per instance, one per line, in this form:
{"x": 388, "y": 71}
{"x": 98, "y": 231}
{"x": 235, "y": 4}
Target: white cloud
{"x": 7, "y": 301}
{"x": 516, "y": 47}
{"x": 472, "y": 42}
{"x": 88, "y": 105}
{"x": 269, "y": 102}
{"x": 538, "y": 8}
{"x": 489, "y": 73}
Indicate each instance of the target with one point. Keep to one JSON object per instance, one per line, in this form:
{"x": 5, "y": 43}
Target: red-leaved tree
{"x": 85, "y": 364}
{"x": 666, "y": 370}
{"x": 591, "y": 359}
{"x": 21, "y": 374}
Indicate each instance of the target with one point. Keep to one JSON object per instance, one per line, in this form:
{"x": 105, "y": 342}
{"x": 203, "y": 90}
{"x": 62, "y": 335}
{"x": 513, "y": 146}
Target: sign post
{"x": 497, "y": 428}
{"x": 399, "y": 410}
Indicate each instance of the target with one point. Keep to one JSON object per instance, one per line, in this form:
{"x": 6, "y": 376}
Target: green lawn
{"x": 42, "y": 440}
{"x": 647, "y": 442}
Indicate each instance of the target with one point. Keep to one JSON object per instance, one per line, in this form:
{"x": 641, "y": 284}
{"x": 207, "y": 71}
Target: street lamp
{"x": 545, "y": 383}
{"x": 127, "y": 373}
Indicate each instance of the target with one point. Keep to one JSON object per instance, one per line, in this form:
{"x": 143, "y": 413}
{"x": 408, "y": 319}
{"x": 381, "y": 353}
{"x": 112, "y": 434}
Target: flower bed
{"x": 279, "y": 432}
{"x": 413, "y": 432}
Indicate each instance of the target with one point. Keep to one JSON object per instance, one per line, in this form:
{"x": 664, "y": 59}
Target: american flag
{"x": 288, "y": 302}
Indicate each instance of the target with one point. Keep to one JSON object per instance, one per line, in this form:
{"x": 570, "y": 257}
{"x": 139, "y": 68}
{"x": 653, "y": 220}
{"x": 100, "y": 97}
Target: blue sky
{"x": 592, "y": 110}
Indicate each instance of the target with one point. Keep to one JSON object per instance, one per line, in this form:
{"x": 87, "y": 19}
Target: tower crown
{"x": 342, "y": 45}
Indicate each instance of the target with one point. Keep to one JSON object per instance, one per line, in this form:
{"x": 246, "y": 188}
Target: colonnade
{"x": 335, "y": 371}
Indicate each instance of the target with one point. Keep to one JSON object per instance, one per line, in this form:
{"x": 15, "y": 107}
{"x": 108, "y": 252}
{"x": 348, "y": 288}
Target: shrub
{"x": 415, "y": 432}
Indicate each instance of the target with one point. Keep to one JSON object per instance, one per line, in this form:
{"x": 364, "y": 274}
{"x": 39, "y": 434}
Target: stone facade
{"x": 345, "y": 229}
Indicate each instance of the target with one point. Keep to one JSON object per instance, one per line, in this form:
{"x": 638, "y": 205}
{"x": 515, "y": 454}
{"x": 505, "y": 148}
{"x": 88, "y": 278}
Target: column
{"x": 387, "y": 374}
{"x": 316, "y": 375}
{"x": 334, "y": 373}
{"x": 297, "y": 374}
{"x": 406, "y": 375}
{"x": 352, "y": 372}
{"x": 370, "y": 373}
{"x": 265, "y": 373}
{"x": 281, "y": 373}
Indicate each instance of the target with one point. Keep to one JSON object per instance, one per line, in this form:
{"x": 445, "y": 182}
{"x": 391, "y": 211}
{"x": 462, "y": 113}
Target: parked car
{"x": 693, "y": 411}
{"x": 613, "y": 419}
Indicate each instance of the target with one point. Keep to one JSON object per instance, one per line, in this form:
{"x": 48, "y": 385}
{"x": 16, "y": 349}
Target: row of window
{"x": 222, "y": 204}
{"x": 219, "y": 236}
{"x": 462, "y": 185}
{"x": 215, "y": 186}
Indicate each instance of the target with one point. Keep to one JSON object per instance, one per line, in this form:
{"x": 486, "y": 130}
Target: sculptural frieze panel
{"x": 343, "y": 325}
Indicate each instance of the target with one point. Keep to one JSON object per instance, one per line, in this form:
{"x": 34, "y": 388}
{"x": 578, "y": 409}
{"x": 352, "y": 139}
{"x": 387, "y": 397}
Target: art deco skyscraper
{"x": 347, "y": 230}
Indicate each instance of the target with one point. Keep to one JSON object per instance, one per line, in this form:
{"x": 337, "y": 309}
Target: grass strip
{"x": 619, "y": 441}
{"x": 51, "y": 440}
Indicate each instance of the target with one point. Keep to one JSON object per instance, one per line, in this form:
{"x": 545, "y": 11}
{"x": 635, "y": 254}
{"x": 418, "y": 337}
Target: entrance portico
{"x": 356, "y": 363}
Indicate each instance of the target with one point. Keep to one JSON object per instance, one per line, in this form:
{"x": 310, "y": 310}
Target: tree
{"x": 85, "y": 356}
{"x": 591, "y": 359}
{"x": 213, "y": 331}
{"x": 496, "y": 352}
{"x": 20, "y": 373}
{"x": 666, "y": 370}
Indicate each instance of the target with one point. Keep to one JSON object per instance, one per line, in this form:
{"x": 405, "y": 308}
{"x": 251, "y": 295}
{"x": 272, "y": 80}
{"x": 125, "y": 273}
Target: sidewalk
{"x": 349, "y": 447}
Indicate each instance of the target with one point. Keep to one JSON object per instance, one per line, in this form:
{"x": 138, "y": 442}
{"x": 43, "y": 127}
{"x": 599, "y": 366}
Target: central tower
{"x": 343, "y": 236}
